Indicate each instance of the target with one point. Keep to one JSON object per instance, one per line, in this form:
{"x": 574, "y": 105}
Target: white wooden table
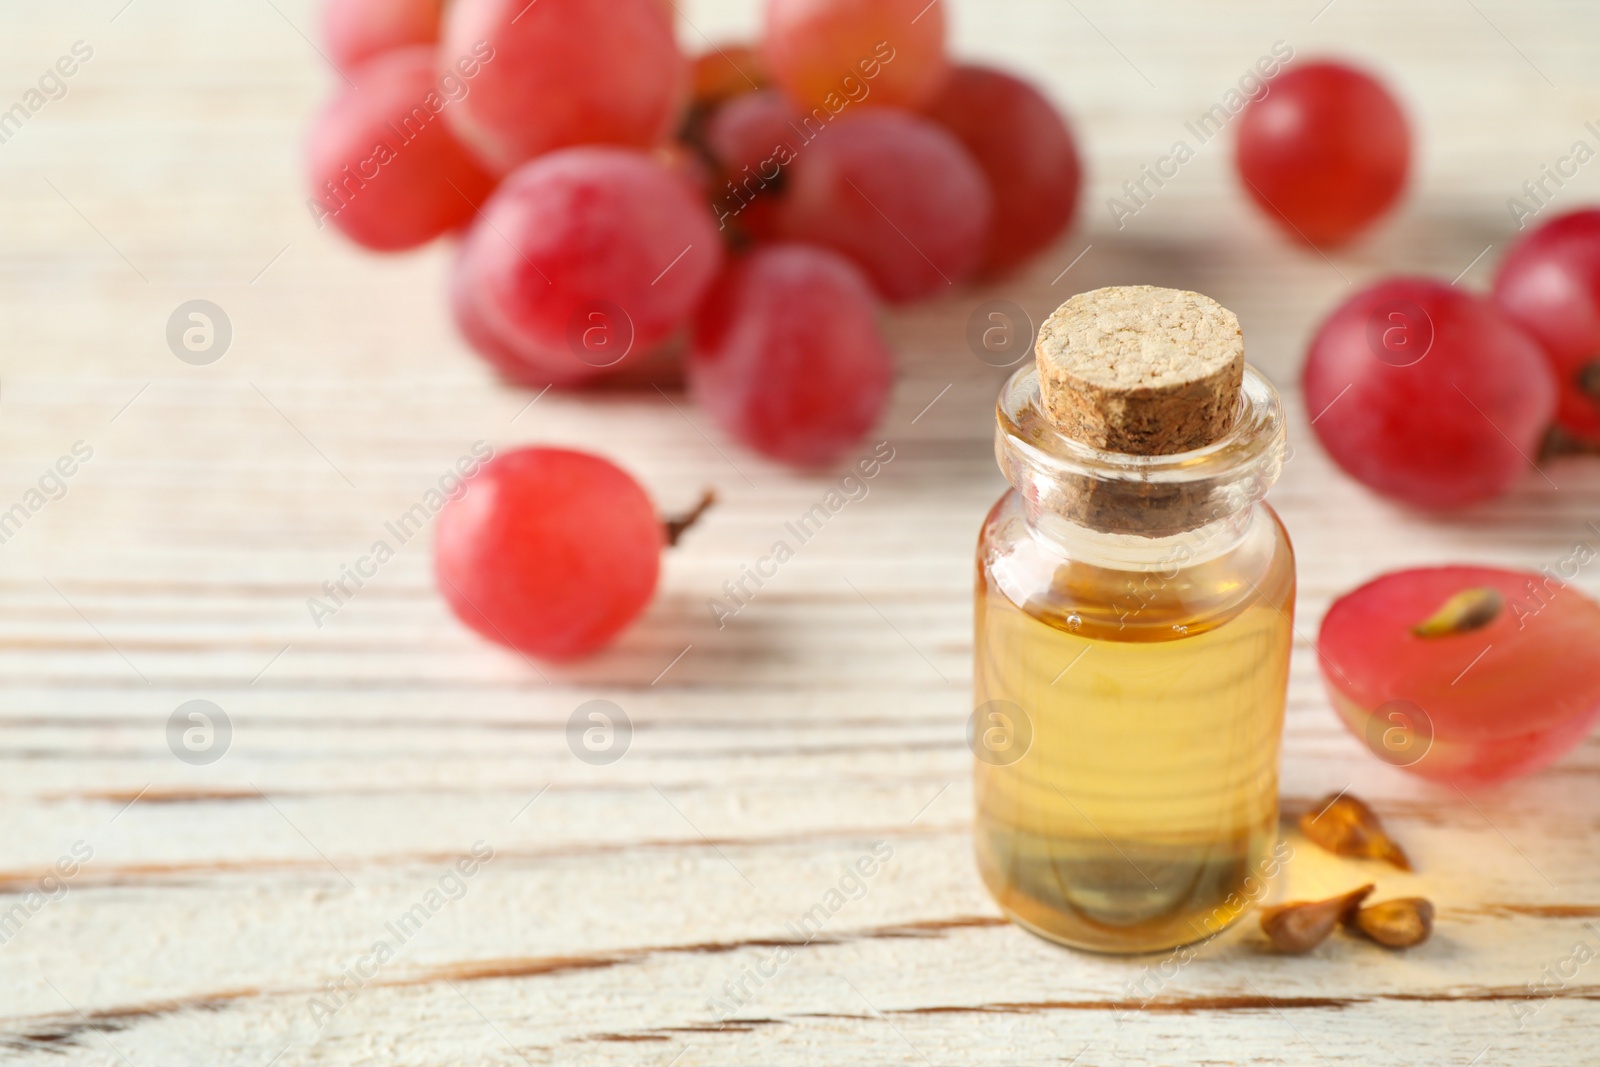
{"x": 371, "y": 753}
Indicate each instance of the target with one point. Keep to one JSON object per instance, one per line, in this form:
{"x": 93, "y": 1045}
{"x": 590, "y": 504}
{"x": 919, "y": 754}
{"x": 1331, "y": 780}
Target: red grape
{"x": 756, "y": 131}
{"x": 1474, "y": 702}
{"x": 586, "y": 255}
{"x": 895, "y": 193}
{"x": 1025, "y": 149}
{"x": 565, "y": 72}
{"x": 1325, "y": 151}
{"x": 829, "y": 53}
{"x": 1427, "y": 394}
{"x": 1549, "y": 283}
{"x": 753, "y": 138}
{"x": 725, "y": 73}
{"x": 683, "y": 160}
{"x": 483, "y": 335}
{"x": 548, "y": 551}
{"x": 383, "y": 166}
{"x": 786, "y": 355}
{"x": 357, "y": 30}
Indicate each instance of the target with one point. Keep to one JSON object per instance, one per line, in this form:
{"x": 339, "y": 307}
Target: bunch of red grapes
{"x": 613, "y": 196}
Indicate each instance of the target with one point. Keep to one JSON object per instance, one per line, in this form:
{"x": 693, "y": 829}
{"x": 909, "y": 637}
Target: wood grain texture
{"x": 623, "y": 901}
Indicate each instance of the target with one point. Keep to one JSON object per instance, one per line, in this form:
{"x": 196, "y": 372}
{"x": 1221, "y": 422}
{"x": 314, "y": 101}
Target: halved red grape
{"x": 1549, "y": 283}
{"x": 1502, "y": 679}
{"x": 1427, "y": 394}
{"x": 1325, "y": 151}
{"x": 1025, "y": 149}
{"x": 587, "y": 256}
{"x": 836, "y": 53}
{"x": 897, "y": 194}
{"x": 564, "y": 72}
{"x": 383, "y": 165}
{"x": 548, "y": 551}
{"x": 355, "y": 31}
{"x": 786, "y": 355}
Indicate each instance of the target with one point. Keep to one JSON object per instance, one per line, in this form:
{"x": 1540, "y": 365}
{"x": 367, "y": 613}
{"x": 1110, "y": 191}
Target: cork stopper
{"x": 1141, "y": 370}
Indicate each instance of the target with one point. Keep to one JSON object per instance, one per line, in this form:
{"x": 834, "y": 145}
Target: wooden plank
{"x": 630, "y": 911}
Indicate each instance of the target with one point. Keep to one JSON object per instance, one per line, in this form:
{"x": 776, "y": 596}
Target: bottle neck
{"x": 1135, "y": 552}
{"x": 1139, "y": 512}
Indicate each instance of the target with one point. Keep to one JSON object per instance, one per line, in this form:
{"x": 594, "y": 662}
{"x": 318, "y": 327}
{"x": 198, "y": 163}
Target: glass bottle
{"x": 1133, "y": 638}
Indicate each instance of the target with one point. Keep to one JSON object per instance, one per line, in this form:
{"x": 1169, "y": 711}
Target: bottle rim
{"x": 1148, "y": 495}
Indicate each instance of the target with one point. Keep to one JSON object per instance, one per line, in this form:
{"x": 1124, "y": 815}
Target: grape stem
{"x": 676, "y": 526}
{"x": 1557, "y": 442}
{"x": 1589, "y": 379}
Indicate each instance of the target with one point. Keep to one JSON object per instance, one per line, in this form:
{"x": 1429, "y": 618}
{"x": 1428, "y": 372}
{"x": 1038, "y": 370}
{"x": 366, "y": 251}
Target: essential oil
{"x": 1133, "y": 629}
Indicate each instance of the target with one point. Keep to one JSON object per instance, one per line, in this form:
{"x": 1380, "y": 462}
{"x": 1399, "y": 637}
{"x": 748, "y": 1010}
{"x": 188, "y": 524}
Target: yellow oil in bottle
{"x": 1147, "y": 705}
